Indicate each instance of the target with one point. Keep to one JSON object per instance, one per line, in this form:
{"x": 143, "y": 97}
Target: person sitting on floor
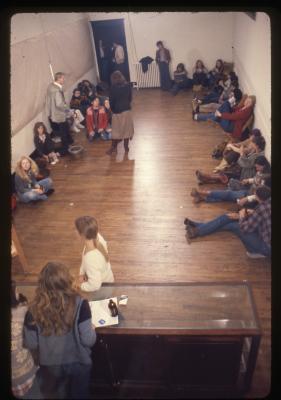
{"x": 227, "y": 148}
{"x": 79, "y": 102}
{"x": 227, "y": 106}
{"x": 200, "y": 74}
{"x": 181, "y": 81}
{"x": 22, "y": 363}
{"x": 231, "y": 122}
{"x": 253, "y": 227}
{"x": 26, "y": 185}
{"x": 96, "y": 120}
{"x": 87, "y": 89}
{"x": 95, "y": 267}
{"x": 237, "y": 189}
{"x": 44, "y": 145}
{"x": 246, "y": 162}
{"x": 216, "y": 74}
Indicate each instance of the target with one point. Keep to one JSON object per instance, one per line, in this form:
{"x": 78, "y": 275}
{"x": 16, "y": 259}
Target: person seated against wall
{"x": 246, "y": 164}
{"x": 23, "y": 368}
{"x": 79, "y": 102}
{"x": 58, "y": 327}
{"x": 231, "y": 122}
{"x": 227, "y": 106}
{"x": 95, "y": 266}
{"x": 253, "y": 227}
{"x": 237, "y": 189}
{"x": 227, "y": 146}
{"x": 219, "y": 93}
{"x": 26, "y": 185}
{"x": 87, "y": 89}
{"x": 96, "y": 120}
{"x": 200, "y": 74}
{"x": 216, "y": 74}
{"x": 181, "y": 81}
{"x": 44, "y": 145}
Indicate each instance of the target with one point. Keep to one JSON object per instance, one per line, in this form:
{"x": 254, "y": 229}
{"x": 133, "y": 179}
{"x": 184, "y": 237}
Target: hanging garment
{"x": 145, "y": 61}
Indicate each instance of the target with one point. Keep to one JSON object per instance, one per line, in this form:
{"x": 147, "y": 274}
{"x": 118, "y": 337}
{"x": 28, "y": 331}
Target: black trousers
{"x": 62, "y": 130}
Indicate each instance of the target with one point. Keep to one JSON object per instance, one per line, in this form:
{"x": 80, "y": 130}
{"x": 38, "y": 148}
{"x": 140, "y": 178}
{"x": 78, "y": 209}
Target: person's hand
{"x": 100, "y": 130}
{"x": 243, "y": 213}
{"x": 245, "y": 181}
{"x": 241, "y": 202}
{"x": 229, "y": 146}
{"x": 233, "y": 215}
{"x": 217, "y": 113}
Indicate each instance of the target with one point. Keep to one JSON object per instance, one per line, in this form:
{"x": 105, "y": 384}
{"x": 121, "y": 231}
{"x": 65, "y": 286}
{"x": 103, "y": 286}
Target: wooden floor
{"x": 140, "y": 203}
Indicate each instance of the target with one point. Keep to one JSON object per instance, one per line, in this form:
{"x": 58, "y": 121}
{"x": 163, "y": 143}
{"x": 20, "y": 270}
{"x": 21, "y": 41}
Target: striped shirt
{"x": 259, "y": 221}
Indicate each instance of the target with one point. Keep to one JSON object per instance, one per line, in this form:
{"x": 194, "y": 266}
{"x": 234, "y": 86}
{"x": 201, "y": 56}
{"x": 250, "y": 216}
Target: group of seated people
{"x": 243, "y": 170}
{"x": 200, "y": 76}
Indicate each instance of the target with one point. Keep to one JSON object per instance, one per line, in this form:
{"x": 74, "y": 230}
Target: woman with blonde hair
{"x": 95, "y": 266}
{"x": 59, "y": 326}
{"x": 27, "y": 187}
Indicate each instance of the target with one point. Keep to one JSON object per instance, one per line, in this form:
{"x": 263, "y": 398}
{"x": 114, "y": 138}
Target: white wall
{"x": 252, "y": 58}
{"x": 29, "y": 28}
{"x": 188, "y": 36}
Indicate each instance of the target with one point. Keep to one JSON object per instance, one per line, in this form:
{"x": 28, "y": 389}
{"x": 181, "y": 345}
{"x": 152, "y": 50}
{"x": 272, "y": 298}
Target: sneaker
{"x": 80, "y": 126}
{"x": 53, "y": 162}
{"x": 75, "y": 129}
{"x": 255, "y": 255}
{"x": 188, "y": 221}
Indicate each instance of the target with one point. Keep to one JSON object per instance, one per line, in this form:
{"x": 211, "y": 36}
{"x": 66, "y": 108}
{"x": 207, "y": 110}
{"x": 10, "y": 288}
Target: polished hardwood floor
{"x": 140, "y": 202}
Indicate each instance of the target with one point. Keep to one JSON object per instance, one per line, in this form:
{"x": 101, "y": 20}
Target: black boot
{"x": 126, "y": 145}
{"x": 113, "y": 148}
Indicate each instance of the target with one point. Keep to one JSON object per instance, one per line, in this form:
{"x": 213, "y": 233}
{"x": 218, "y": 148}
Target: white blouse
{"x": 96, "y": 268}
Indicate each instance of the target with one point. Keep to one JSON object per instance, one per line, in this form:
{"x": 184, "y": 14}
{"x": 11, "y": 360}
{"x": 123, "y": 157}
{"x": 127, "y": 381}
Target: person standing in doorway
{"x": 105, "y": 61}
{"x": 120, "y": 97}
{"x": 57, "y": 109}
{"x": 118, "y": 58}
{"x": 163, "y": 59}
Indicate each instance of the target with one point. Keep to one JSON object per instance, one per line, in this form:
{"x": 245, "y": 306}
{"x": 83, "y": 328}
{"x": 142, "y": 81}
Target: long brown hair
{"x": 88, "y": 227}
{"x": 22, "y": 173}
{"x": 54, "y": 304}
{"x": 37, "y": 126}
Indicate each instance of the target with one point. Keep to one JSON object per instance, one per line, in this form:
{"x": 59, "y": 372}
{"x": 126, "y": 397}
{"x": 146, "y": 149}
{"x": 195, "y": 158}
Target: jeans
{"x": 252, "y": 241}
{"x": 185, "y": 84}
{"x": 66, "y": 381}
{"x": 26, "y": 197}
{"x": 225, "y": 195}
{"x": 165, "y": 80}
{"x": 206, "y": 116}
{"x": 211, "y": 98}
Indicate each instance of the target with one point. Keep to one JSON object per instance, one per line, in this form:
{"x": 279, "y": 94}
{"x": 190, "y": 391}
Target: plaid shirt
{"x": 259, "y": 221}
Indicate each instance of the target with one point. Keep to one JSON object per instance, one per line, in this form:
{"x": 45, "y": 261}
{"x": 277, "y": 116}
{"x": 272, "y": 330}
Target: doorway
{"x": 109, "y": 31}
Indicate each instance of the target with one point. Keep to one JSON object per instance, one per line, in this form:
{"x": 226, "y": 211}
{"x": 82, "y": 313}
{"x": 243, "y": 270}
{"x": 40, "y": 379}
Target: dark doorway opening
{"x": 109, "y": 31}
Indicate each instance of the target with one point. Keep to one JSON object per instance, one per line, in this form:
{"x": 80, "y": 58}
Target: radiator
{"x": 148, "y": 79}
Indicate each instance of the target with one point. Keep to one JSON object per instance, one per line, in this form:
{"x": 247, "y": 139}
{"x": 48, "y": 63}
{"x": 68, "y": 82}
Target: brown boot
{"x": 198, "y": 195}
{"x": 191, "y": 232}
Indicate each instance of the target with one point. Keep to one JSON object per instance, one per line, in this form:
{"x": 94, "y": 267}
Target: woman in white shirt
{"x": 95, "y": 266}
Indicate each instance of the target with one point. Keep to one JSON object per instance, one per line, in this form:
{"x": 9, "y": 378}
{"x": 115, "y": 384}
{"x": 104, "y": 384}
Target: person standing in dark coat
{"x": 120, "y": 97}
{"x": 163, "y": 59}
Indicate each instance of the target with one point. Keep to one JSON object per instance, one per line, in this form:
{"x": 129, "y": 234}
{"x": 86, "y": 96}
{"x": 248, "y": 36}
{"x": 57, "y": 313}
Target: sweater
{"x": 96, "y": 268}
{"x": 247, "y": 163}
{"x": 22, "y": 185}
{"x": 72, "y": 347}
{"x": 23, "y": 367}
{"x": 239, "y": 116}
{"x": 120, "y": 97}
{"x": 46, "y": 147}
